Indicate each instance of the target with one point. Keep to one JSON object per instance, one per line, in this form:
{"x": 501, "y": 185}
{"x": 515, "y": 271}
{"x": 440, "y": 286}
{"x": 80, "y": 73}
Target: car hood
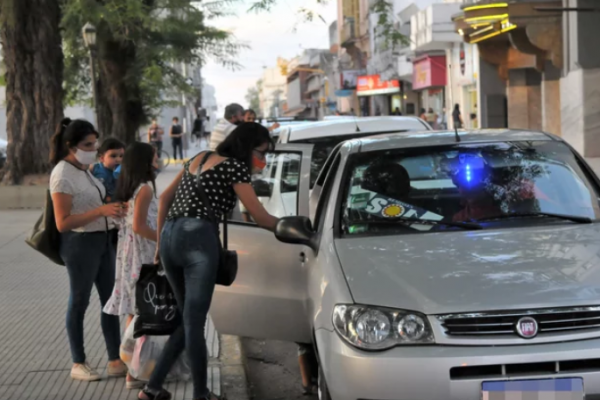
{"x": 550, "y": 266}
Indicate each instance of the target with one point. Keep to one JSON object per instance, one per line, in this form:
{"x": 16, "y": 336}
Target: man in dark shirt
{"x": 176, "y": 134}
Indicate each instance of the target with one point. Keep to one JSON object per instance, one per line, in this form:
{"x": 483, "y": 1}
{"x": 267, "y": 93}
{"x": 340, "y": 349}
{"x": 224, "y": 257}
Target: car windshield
{"x": 484, "y": 183}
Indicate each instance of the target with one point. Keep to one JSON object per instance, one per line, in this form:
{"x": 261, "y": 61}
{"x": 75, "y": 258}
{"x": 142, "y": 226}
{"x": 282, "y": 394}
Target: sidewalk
{"x": 34, "y": 349}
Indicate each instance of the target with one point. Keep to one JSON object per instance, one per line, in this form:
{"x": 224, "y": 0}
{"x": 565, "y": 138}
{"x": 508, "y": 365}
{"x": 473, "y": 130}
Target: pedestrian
{"x": 432, "y": 118}
{"x": 176, "y": 135}
{"x": 137, "y": 237}
{"x": 83, "y": 221}
{"x": 234, "y": 115}
{"x": 397, "y": 111}
{"x": 198, "y": 130}
{"x": 249, "y": 115}
{"x": 457, "y": 117}
{"x": 423, "y": 114}
{"x": 189, "y": 248}
{"x": 155, "y": 136}
{"x": 442, "y": 120}
{"x": 110, "y": 153}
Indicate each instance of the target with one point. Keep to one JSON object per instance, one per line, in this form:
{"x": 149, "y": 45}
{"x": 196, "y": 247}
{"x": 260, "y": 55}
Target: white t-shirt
{"x": 220, "y": 133}
{"x": 68, "y": 179}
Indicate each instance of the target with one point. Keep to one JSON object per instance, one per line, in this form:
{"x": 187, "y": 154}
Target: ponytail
{"x": 68, "y": 133}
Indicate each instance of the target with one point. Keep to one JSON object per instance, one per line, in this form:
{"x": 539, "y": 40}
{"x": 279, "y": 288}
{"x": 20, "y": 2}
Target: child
{"x": 137, "y": 237}
{"x": 111, "y": 155}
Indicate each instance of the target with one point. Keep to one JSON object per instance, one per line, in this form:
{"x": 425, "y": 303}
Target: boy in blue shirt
{"x": 111, "y": 154}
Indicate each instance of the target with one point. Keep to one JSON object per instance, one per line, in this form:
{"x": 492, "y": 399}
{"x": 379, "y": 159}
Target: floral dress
{"x": 132, "y": 252}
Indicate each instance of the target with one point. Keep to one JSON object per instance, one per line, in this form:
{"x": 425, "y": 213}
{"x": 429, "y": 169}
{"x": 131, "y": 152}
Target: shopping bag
{"x": 45, "y": 237}
{"x": 141, "y": 356}
{"x": 157, "y": 312}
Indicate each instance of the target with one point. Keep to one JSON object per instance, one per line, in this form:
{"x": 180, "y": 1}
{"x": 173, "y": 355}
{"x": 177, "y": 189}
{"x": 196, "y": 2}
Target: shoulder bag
{"x": 228, "y": 259}
{"x": 45, "y": 237}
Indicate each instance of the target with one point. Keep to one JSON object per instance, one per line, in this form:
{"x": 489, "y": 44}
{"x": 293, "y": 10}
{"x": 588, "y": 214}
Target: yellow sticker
{"x": 393, "y": 210}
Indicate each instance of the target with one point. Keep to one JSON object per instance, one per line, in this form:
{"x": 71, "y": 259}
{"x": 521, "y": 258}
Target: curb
{"x": 234, "y": 383}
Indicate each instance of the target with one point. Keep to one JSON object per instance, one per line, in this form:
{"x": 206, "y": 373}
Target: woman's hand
{"x": 113, "y": 210}
{"x": 157, "y": 256}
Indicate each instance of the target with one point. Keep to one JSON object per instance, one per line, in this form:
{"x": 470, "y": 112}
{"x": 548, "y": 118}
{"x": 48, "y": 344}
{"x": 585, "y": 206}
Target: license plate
{"x": 538, "y": 389}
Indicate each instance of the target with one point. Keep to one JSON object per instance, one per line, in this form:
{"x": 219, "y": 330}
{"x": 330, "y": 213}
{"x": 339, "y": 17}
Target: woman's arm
{"x": 66, "y": 222}
{"x": 247, "y": 196}
{"x": 164, "y": 203}
{"x": 140, "y": 214}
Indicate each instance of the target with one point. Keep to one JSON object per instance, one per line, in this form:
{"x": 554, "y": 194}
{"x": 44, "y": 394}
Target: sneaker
{"x": 116, "y": 369}
{"x": 83, "y": 372}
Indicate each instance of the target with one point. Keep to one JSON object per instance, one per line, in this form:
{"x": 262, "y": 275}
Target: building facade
{"x": 273, "y": 92}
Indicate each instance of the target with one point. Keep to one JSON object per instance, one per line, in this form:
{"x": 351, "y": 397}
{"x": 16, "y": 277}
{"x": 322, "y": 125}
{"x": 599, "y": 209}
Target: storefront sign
{"x": 371, "y": 85}
{"x": 349, "y": 78}
{"x": 429, "y": 72}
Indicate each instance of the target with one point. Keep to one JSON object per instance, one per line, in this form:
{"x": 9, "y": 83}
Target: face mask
{"x": 86, "y": 157}
{"x": 258, "y": 164}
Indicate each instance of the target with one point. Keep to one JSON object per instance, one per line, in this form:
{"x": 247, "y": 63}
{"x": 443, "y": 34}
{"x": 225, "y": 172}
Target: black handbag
{"x": 156, "y": 305}
{"x": 228, "y": 259}
{"x": 45, "y": 237}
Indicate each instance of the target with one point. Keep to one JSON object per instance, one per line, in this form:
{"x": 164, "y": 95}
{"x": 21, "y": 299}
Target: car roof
{"x": 448, "y": 137}
{"x": 352, "y": 126}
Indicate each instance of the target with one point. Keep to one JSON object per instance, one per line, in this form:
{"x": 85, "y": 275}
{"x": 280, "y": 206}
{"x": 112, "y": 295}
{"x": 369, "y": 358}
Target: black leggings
{"x": 177, "y": 143}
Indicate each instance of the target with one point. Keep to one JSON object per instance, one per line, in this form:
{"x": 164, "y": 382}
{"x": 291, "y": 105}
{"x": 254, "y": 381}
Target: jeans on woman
{"x": 189, "y": 251}
{"x": 90, "y": 260}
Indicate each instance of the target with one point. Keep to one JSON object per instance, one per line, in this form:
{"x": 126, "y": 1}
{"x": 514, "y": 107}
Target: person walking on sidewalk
{"x": 189, "y": 243}
{"x": 176, "y": 135}
{"x": 155, "y": 136}
{"x": 82, "y": 219}
{"x": 234, "y": 115}
{"x": 137, "y": 237}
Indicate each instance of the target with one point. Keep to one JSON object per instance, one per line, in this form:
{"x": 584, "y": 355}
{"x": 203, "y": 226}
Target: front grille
{"x": 499, "y": 371}
{"x": 504, "y": 323}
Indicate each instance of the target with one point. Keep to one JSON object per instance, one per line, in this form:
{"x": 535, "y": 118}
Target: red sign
{"x": 429, "y": 72}
{"x": 371, "y": 85}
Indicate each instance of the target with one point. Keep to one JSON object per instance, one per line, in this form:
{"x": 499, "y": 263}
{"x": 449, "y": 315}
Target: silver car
{"x": 436, "y": 266}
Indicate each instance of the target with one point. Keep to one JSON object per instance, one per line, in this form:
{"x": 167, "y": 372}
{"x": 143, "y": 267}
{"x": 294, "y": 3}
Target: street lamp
{"x": 89, "y": 38}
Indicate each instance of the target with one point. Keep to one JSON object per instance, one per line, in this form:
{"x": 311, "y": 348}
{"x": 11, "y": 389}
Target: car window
{"x": 464, "y": 183}
{"x": 322, "y": 149}
{"x": 276, "y": 186}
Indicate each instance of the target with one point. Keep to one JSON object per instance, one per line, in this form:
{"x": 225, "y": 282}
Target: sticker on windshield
{"x": 388, "y": 207}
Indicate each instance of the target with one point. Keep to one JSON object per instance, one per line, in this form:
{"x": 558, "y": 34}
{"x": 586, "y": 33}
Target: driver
{"x": 478, "y": 203}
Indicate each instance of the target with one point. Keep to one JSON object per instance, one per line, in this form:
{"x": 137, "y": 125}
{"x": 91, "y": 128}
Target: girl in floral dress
{"x": 137, "y": 237}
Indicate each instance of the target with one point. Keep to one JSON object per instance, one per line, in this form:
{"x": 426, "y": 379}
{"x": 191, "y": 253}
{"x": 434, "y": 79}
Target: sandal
{"x": 213, "y": 396}
{"x": 148, "y": 394}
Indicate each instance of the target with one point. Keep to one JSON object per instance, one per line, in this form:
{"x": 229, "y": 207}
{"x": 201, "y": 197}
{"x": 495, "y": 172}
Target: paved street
{"x": 33, "y": 346}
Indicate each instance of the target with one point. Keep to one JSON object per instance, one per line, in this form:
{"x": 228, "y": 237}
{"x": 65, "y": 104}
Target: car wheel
{"x": 322, "y": 389}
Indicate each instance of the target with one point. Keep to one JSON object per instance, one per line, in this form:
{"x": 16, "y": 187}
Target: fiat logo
{"x": 527, "y": 327}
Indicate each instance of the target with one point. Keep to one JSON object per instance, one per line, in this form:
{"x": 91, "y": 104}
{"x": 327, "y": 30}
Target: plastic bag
{"x": 141, "y": 355}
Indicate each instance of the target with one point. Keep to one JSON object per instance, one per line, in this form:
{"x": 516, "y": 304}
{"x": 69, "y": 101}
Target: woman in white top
{"x": 84, "y": 222}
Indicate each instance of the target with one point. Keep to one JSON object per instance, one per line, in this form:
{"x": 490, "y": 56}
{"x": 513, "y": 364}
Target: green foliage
{"x": 385, "y": 24}
{"x": 158, "y": 35}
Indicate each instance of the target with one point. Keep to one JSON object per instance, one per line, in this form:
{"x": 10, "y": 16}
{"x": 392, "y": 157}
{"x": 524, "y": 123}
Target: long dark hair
{"x": 69, "y": 134}
{"x": 135, "y": 170}
{"x": 243, "y": 140}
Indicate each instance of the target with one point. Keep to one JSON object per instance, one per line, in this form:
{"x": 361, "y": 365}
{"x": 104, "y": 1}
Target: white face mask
{"x": 86, "y": 157}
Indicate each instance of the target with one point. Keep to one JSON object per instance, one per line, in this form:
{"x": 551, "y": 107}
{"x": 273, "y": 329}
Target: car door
{"x": 268, "y": 298}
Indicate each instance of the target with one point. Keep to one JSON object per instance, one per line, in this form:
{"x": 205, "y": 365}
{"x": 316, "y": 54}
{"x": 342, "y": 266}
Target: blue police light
{"x": 470, "y": 170}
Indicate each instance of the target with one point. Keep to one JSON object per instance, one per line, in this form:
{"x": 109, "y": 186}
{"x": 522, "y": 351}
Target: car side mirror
{"x": 262, "y": 188}
{"x": 295, "y": 230}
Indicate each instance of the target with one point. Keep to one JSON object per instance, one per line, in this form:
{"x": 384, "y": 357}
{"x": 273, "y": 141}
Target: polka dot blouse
{"x": 218, "y": 184}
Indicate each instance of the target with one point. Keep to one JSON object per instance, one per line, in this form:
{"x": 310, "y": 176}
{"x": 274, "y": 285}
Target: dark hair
{"x": 456, "y": 107}
{"x": 176, "y": 119}
{"x": 250, "y": 111}
{"x": 243, "y": 140}
{"x": 232, "y": 110}
{"x": 135, "y": 170}
{"x": 110, "y": 144}
{"x": 69, "y": 134}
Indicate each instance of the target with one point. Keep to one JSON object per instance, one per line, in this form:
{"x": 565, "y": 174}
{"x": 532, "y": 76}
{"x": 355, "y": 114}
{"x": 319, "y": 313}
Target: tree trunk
{"x": 33, "y": 56}
{"x": 121, "y": 110}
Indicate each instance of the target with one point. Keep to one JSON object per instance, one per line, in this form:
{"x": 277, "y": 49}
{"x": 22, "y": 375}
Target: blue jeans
{"x": 189, "y": 251}
{"x": 90, "y": 260}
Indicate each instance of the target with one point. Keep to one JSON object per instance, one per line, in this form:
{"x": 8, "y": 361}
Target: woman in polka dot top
{"x": 189, "y": 243}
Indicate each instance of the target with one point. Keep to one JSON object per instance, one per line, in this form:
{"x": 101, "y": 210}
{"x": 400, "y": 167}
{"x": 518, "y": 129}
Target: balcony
{"x": 432, "y": 29}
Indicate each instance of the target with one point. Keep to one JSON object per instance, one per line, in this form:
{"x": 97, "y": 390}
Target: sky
{"x": 269, "y": 35}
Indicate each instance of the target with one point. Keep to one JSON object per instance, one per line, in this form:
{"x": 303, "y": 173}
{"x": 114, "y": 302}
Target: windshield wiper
{"x": 393, "y": 221}
{"x": 574, "y": 218}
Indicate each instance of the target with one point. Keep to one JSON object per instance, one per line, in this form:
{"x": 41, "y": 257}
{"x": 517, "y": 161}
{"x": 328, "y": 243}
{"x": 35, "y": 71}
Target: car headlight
{"x": 378, "y": 328}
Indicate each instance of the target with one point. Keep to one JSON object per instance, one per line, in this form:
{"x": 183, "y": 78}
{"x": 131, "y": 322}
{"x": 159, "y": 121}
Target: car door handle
{"x": 302, "y": 257}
